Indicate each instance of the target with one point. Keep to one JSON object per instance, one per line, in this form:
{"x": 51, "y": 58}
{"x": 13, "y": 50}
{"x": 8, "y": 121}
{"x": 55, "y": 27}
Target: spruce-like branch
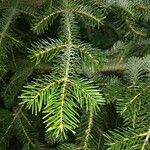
{"x": 16, "y": 82}
{"x": 44, "y": 50}
{"x": 42, "y": 22}
{"x": 135, "y": 69}
{"x": 87, "y": 95}
{"x": 87, "y": 15}
{"x": 9, "y": 15}
{"x": 62, "y": 95}
{"x": 39, "y": 94}
{"x": 127, "y": 138}
{"x": 66, "y": 115}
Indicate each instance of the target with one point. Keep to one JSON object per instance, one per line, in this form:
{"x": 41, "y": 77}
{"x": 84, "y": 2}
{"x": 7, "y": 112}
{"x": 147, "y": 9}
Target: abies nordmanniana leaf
{"x": 64, "y": 92}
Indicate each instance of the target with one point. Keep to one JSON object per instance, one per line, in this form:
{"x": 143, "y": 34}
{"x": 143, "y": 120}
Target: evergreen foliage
{"x": 61, "y": 89}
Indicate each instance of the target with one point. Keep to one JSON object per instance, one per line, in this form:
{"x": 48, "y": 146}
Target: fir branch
{"x": 5, "y": 24}
{"x": 16, "y": 82}
{"x": 134, "y": 69}
{"x": 129, "y": 103}
{"x": 44, "y": 50}
{"x": 89, "y": 132}
{"x": 61, "y": 115}
{"x": 127, "y": 139}
{"x": 41, "y": 23}
{"x": 88, "y": 16}
{"x": 39, "y": 95}
{"x": 130, "y": 107}
{"x": 7, "y": 133}
{"x": 22, "y": 128}
{"x": 90, "y": 60}
{"x": 64, "y": 123}
{"x": 11, "y": 38}
{"x": 87, "y": 51}
{"x": 87, "y": 95}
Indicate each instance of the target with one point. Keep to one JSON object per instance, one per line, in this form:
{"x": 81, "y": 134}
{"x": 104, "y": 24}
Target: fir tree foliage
{"x": 133, "y": 107}
{"x": 63, "y": 92}
{"x": 17, "y": 124}
{"x": 8, "y": 37}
